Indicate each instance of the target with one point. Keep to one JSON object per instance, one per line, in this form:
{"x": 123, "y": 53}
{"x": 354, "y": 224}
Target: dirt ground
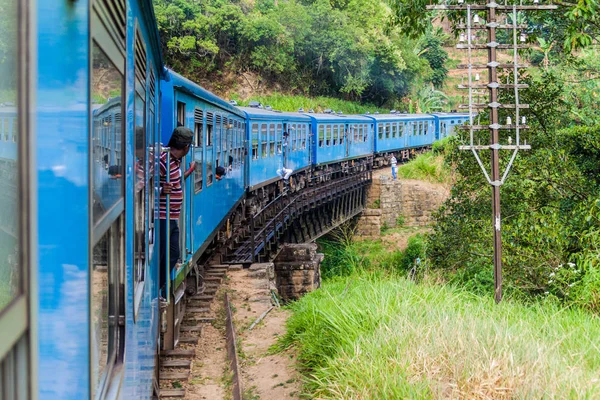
{"x": 265, "y": 376}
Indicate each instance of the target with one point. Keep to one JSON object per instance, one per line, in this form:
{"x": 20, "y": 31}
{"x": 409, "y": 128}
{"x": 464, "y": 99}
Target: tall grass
{"x": 429, "y": 166}
{"x": 284, "y": 102}
{"x": 366, "y": 337}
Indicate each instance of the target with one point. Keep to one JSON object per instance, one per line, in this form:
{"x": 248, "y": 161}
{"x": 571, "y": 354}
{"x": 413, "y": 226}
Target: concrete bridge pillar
{"x": 297, "y": 270}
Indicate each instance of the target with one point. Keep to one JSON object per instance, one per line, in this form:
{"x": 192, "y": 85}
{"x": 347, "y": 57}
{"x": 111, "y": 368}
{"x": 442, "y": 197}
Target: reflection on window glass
{"x": 105, "y": 259}
{"x": 10, "y": 276}
{"x": 100, "y": 289}
{"x": 107, "y": 162}
{"x": 140, "y": 192}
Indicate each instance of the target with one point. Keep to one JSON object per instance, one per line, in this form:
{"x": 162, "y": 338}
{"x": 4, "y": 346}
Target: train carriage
{"x": 445, "y": 123}
{"x": 276, "y": 140}
{"x": 339, "y": 137}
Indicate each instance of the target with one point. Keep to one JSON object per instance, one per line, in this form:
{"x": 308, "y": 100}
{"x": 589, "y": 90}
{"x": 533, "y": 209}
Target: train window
{"x": 218, "y": 136}
{"x": 328, "y": 135}
{"x": 254, "y": 139}
{"x": 387, "y": 130}
{"x": 264, "y": 141}
{"x": 181, "y": 112}
{"x": 279, "y": 132}
{"x": 10, "y": 269}
{"x": 305, "y": 130}
{"x": 272, "y": 135}
{"x": 107, "y": 331}
{"x": 336, "y": 133}
{"x": 380, "y": 132}
{"x": 198, "y": 151}
{"x": 209, "y": 129}
{"x": 106, "y": 164}
{"x": 107, "y": 168}
{"x": 394, "y": 130}
{"x": 342, "y": 133}
{"x": 321, "y": 135}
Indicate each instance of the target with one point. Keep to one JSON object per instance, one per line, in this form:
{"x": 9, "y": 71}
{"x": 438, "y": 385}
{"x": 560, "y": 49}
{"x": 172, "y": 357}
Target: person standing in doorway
{"x": 179, "y": 145}
{"x": 394, "y": 164}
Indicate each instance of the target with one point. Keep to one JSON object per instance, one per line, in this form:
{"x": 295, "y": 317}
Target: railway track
{"x": 176, "y": 364}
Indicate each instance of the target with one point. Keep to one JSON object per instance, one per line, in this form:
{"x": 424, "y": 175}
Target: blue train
{"x": 86, "y": 108}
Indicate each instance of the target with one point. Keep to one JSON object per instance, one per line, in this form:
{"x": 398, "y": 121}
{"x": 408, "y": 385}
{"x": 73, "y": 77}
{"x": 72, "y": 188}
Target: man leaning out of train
{"x": 179, "y": 145}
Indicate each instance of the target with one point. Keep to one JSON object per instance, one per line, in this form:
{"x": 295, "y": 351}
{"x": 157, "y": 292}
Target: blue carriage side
{"x": 338, "y": 137}
{"x": 276, "y": 140}
{"x": 446, "y": 123}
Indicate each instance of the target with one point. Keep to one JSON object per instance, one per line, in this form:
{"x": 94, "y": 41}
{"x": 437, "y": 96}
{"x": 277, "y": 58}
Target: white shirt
{"x": 393, "y": 161}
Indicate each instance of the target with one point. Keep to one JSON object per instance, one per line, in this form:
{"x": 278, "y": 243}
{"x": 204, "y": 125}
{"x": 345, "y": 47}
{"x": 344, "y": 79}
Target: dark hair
{"x": 220, "y": 171}
{"x": 179, "y": 124}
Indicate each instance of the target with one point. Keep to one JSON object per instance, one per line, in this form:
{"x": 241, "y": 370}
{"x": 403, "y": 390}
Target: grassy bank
{"x": 370, "y": 336}
{"x": 285, "y": 102}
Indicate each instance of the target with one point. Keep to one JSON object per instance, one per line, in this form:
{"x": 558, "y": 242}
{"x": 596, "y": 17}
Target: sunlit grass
{"x": 375, "y": 337}
{"x": 284, "y": 102}
{"x": 426, "y": 167}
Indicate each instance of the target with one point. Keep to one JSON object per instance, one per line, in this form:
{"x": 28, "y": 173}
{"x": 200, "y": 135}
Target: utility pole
{"x": 491, "y": 11}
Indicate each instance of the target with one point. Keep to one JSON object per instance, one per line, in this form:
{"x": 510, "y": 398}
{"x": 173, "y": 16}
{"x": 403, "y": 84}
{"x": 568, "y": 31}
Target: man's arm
{"x": 190, "y": 170}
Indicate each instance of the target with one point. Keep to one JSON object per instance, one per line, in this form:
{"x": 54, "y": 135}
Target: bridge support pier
{"x": 297, "y": 270}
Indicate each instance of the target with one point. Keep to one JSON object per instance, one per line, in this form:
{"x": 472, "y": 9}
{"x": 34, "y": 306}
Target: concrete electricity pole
{"x": 488, "y": 17}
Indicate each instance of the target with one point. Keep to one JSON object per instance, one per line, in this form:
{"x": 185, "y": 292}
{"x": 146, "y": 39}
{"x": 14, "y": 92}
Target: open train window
{"x": 181, "y": 113}
{"x": 264, "y": 141}
{"x": 321, "y": 135}
{"x": 279, "y": 133}
{"x": 210, "y": 134}
{"x": 198, "y": 150}
{"x": 254, "y": 139}
{"x": 272, "y": 135}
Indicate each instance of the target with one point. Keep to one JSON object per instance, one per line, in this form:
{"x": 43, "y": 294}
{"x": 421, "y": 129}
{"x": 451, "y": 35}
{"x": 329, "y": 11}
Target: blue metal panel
{"x": 62, "y": 171}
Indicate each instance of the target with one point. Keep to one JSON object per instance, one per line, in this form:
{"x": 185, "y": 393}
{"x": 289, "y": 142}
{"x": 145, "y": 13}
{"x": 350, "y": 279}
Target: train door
{"x": 348, "y": 137}
{"x": 15, "y": 317}
{"x": 107, "y": 195}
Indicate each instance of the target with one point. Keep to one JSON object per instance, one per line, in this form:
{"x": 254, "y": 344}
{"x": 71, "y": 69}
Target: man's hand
{"x": 167, "y": 188}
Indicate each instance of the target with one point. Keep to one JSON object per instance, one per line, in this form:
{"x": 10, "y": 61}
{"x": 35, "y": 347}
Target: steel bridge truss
{"x": 328, "y": 201}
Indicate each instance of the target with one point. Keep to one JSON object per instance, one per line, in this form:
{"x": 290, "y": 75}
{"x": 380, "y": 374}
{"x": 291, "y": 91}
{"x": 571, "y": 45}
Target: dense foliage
{"x": 550, "y": 203}
{"x": 342, "y": 48}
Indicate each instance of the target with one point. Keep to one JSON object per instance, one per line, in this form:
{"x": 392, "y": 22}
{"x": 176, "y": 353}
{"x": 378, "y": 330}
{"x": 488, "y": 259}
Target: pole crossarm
{"x": 492, "y": 5}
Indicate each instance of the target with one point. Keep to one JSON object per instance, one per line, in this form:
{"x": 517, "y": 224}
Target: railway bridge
{"x": 293, "y": 217}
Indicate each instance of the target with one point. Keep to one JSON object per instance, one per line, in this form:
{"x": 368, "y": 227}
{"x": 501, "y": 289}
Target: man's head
{"x": 180, "y": 141}
{"x": 219, "y": 173}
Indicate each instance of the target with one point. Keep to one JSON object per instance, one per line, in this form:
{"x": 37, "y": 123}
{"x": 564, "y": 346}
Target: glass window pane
{"x": 10, "y": 274}
{"x": 140, "y": 192}
{"x": 106, "y": 163}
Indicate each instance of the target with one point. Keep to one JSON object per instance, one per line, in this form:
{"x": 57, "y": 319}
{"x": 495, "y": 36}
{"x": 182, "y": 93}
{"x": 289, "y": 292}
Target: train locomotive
{"x": 87, "y": 107}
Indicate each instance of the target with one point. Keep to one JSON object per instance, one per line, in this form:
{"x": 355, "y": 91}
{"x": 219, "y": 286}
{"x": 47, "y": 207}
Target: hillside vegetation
{"x": 348, "y": 49}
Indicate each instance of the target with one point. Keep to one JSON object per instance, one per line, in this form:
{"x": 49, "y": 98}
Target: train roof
{"x": 398, "y": 117}
{"x": 451, "y": 115}
{"x": 263, "y": 113}
{"x": 193, "y": 89}
{"x": 323, "y": 117}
